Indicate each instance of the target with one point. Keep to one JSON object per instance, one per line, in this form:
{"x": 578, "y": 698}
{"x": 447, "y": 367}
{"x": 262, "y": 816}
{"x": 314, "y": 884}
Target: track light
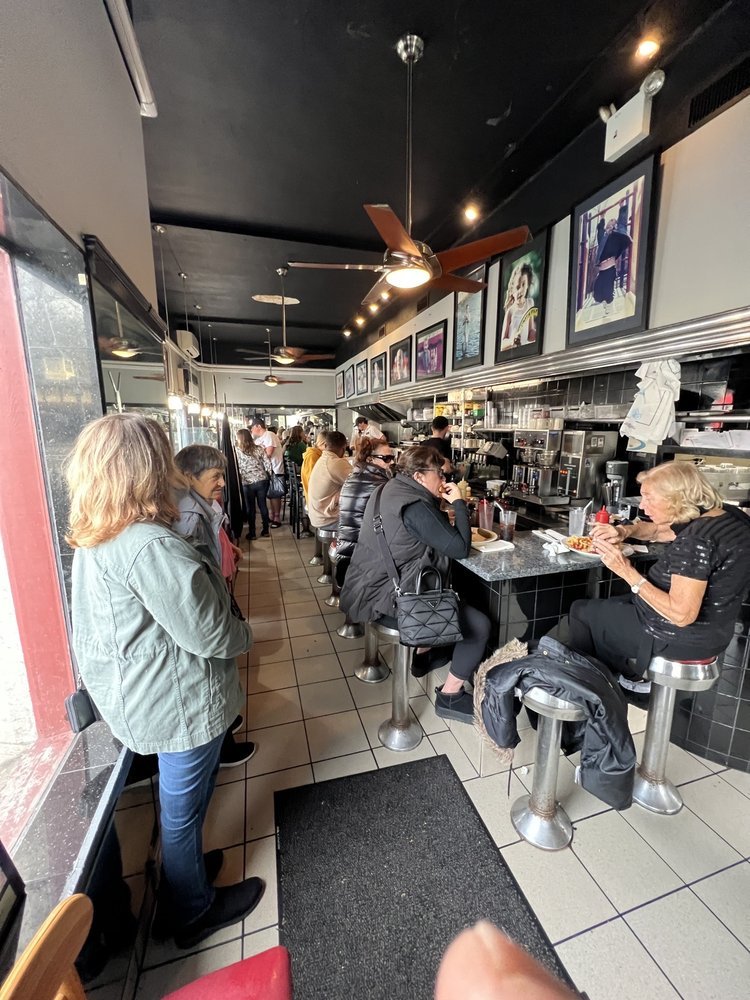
{"x": 359, "y": 320}
{"x": 373, "y": 307}
{"x": 647, "y": 47}
{"x": 347, "y": 333}
{"x": 471, "y": 213}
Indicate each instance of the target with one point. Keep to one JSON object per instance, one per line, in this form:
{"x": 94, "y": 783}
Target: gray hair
{"x": 199, "y": 458}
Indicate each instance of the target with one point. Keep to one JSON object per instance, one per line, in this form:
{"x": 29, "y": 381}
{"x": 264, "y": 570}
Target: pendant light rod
{"x": 282, "y": 273}
{"x": 410, "y": 49}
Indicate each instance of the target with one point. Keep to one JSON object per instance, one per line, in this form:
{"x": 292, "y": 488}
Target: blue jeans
{"x": 186, "y": 781}
{"x": 256, "y": 491}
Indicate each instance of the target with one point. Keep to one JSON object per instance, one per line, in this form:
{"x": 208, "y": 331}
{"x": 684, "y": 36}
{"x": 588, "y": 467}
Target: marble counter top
{"x": 528, "y": 558}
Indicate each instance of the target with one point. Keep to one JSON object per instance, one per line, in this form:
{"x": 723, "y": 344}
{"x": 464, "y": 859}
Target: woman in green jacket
{"x": 156, "y": 644}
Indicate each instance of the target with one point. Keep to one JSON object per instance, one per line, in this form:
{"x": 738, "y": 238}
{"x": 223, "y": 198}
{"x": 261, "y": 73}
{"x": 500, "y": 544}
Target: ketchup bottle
{"x": 602, "y": 517}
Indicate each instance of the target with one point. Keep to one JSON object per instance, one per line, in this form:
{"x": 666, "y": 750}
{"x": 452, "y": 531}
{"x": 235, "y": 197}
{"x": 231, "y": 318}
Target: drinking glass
{"x": 577, "y": 521}
{"x": 485, "y": 511}
{"x": 507, "y": 525}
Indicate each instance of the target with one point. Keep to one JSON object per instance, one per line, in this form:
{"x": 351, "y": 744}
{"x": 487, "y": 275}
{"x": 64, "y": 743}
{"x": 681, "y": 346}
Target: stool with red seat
{"x": 267, "y": 976}
{"x": 652, "y": 789}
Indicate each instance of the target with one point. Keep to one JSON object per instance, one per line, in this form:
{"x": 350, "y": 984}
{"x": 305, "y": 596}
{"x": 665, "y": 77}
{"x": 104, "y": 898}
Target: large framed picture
{"x": 340, "y": 385}
{"x": 400, "y": 362}
{"x": 349, "y": 381}
{"x": 361, "y": 378}
{"x": 431, "y": 352}
{"x": 611, "y": 258}
{"x": 468, "y": 323}
{"x": 377, "y": 373}
{"x": 521, "y": 300}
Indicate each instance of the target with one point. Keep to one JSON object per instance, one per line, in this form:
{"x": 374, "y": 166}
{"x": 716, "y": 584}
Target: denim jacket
{"x": 199, "y": 523}
{"x": 155, "y": 639}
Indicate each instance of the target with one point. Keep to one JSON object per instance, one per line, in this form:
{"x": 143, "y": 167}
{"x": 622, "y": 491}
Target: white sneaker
{"x": 638, "y": 687}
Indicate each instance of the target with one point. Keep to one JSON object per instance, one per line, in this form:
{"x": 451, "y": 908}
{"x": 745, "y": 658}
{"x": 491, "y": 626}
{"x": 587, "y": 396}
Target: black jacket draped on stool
{"x": 607, "y": 752}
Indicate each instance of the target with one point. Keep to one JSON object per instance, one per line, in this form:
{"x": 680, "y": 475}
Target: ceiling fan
{"x": 285, "y": 355}
{"x": 271, "y": 380}
{"x": 409, "y": 263}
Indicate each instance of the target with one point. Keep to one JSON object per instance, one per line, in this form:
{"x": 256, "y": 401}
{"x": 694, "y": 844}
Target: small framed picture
{"x": 340, "y": 385}
{"x": 431, "y": 352}
{"x": 377, "y": 373}
{"x": 349, "y": 381}
{"x": 361, "y": 378}
{"x": 611, "y": 258}
{"x": 521, "y": 302}
{"x": 400, "y": 362}
{"x": 468, "y": 324}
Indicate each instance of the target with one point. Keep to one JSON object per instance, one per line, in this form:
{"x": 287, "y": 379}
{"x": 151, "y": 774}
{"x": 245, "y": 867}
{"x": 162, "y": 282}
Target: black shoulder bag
{"x": 426, "y": 617}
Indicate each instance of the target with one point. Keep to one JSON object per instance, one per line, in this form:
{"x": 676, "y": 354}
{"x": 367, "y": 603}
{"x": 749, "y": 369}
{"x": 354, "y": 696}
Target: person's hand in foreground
{"x": 483, "y": 964}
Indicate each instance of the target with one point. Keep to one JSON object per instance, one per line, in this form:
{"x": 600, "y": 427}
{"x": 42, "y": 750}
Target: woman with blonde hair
{"x": 156, "y": 642}
{"x": 687, "y": 603}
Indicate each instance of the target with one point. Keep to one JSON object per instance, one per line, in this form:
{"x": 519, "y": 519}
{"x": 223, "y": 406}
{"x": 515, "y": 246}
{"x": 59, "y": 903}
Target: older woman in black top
{"x": 687, "y": 604}
{"x": 419, "y": 534}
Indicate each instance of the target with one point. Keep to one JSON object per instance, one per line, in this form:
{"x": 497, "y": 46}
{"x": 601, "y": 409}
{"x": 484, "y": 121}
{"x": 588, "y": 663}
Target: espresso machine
{"x": 533, "y": 477}
{"x": 583, "y": 457}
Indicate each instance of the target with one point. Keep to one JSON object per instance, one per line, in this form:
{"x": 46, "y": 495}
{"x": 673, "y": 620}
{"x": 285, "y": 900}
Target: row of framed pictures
{"x": 610, "y": 267}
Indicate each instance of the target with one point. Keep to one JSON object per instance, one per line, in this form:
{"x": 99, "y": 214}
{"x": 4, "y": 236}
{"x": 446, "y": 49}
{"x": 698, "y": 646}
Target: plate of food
{"x": 482, "y": 536}
{"x": 583, "y": 545}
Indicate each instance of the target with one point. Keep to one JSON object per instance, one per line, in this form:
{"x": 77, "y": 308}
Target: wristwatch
{"x": 637, "y": 586}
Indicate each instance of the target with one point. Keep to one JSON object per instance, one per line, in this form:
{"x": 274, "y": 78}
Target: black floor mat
{"x": 378, "y": 872}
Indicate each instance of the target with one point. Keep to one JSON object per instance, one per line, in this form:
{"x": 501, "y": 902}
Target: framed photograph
{"x": 339, "y": 385}
{"x": 377, "y": 373}
{"x": 349, "y": 381}
{"x": 400, "y": 362}
{"x": 521, "y": 300}
{"x": 611, "y": 258}
{"x": 468, "y": 323}
{"x": 361, "y": 378}
{"x": 431, "y": 352}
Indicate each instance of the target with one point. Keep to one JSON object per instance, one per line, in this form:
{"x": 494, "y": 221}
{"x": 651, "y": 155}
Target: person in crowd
{"x": 202, "y": 522}
{"x": 441, "y": 429}
{"x": 372, "y": 468}
{"x": 295, "y": 445}
{"x": 686, "y": 605}
{"x": 419, "y": 534}
{"x": 155, "y": 642}
{"x": 326, "y": 479}
{"x": 363, "y": 428}
{"x": 268, "y": 439}
{"x": 310, "y": 457}
{"x": 254, "y": 467}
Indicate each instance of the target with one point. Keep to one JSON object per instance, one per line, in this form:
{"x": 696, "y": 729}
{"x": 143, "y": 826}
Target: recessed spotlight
{"x": 647, "y": 47}
{"x": 347, "y": 333}
{"x": 385, "y": 296}
{"x": 373, "y": 307}
{"x": 181, "y": 274}
{"x": 359, "y": 320}
{"x": 471, "y": 213}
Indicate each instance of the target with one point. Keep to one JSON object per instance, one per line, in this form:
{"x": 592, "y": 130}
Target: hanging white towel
{"x": 652, "y": 414}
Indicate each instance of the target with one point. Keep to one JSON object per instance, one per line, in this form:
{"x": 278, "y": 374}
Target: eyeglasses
{"x": 385, "y": 458}
{"x": 438, "y": 472}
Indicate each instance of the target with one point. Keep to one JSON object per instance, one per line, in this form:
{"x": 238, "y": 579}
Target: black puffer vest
{"x": 355, "y": 493}
{"x": 368, "y": 592}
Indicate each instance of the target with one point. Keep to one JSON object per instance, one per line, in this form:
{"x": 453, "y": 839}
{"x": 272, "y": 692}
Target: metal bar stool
{"x": 652, "y": 789}
{"x": 371, "y": 670}
{"x": 401, "y": 731}
{"x": 333, "y": 599}
{"x": 539, "y": 818}
{"x": 326, "y": 536}
{"x": 317, "y": 559}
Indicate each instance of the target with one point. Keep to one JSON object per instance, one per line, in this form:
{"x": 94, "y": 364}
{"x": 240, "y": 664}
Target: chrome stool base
{"x": 551, "y": 833}
{"x": 316, "y": 561}
{"x": 371, "y": 673}
{"x": 332, "y": 601}
{"x": 400, "y": 738}
{"x": 402, "y": 731}
{"x": 324, "y": 578}
{"x": 657, "y": 796}
{"x": 350, "y": 630}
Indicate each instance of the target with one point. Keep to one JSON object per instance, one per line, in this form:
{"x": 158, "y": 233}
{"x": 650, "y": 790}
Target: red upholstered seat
{"x": 267, "y": 976}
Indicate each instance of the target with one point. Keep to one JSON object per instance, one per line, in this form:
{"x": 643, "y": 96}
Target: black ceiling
{"x": 277, "y": 121}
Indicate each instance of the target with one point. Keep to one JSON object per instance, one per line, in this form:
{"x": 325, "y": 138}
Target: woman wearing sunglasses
{"x": 373, "y": 462}
{"x": 419, "y": 535}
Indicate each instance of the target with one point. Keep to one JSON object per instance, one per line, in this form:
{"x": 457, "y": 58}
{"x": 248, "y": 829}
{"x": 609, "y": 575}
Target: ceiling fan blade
{"x": 289, "y": 381}
{"x": 453, "y": 283}
{"x": 391, "y": 230}
{"x": 315, "y": 357}
{"x": 245, "y": 379}
{"x": 335, "y": 267}
{"x": 293, "y": 352}
{"x": 490, "y": 246}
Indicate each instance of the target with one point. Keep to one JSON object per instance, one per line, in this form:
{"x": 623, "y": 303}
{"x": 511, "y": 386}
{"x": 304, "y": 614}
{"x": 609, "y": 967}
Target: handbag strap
{"x": 377, "y": 523}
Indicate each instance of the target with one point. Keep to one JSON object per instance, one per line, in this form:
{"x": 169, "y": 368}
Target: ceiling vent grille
{"x": 719, "y": 94}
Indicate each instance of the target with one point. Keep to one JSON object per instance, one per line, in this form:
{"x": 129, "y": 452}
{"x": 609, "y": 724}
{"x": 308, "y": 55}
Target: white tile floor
{"x": 639, "y": 905}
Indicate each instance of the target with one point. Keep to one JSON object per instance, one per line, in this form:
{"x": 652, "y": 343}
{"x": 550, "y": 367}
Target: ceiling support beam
{"x": 286, "y": 235}
{"x": 275, "y": 322}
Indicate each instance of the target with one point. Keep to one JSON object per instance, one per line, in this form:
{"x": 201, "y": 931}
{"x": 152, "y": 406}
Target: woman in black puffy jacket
{"x": 372, "y": 464}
